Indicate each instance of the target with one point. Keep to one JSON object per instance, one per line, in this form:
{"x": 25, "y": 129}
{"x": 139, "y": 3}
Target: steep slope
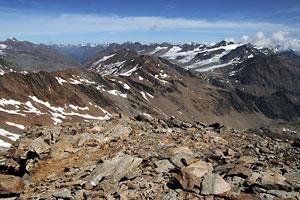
{"x": 150, "y": 82}
{"x": 26, "y": 56}
{"x": 265, "y": 75}
{"x": 200, "y": 57}
{"x": 103, "y": 63}
{"x": 122, "y": 63}
{"x": 144, "y": 84}
{"x": 270, "y": 82}
{"x": 278, "y": 100}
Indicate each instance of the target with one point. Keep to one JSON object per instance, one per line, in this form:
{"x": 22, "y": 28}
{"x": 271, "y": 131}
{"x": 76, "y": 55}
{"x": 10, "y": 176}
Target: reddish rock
{"x": 11, "y": 184}
{"x": 192, "y": 174}
{"x": 240, "y": 171}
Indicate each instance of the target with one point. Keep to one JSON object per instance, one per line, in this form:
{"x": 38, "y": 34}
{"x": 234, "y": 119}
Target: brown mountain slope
{"x": 152, "y": 89}
{"x": 26, "y": 56}
{"x": 129, "y": 83}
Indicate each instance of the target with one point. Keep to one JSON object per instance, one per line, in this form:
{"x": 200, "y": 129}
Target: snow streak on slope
{"x": 59, "y": 112}
{"x": 102, "y": 60}
{"x": 157, "y": 49}
{"x": 189, "y": 60}
{"x": 215, "y": 61}
{"x": 16, "y": 125}
{"x": 8, "y": 135}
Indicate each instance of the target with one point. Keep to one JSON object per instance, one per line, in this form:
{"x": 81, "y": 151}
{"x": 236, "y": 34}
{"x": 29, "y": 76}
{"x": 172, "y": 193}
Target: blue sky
{"x": 97, "y": 21}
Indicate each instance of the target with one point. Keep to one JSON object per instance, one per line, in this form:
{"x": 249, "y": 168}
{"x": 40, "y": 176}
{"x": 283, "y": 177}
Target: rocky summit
{"x": 148, "y": 158}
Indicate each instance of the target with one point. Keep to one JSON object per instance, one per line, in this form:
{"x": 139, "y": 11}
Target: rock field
{"x": 147, "y": 158}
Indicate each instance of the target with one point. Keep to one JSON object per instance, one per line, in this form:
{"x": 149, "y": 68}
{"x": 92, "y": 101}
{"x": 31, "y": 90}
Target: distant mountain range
{"x": 26, "y": 56}
{"x": 237, "y": 85}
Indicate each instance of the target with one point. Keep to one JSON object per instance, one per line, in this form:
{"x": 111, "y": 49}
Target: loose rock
{"x": 214, "y": 184}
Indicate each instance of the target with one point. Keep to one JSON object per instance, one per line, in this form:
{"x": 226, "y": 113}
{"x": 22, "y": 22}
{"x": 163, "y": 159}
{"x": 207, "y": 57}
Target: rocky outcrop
{"x": 147, "y": 158}
{"x": 10, "y": 184}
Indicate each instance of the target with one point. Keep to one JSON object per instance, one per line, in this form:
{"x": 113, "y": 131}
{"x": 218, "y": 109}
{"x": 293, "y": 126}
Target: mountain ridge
{"x": 28, "y": 57}
{"x": 131, "y": 82}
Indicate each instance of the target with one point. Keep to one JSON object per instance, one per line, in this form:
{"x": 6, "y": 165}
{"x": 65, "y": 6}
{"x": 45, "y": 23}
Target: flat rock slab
{"x": 39, "y": 146}
{"x": 163, "y": 166}
{"x": 192, "y": 174}
{"x": 247, "y": 160}
{"x": 283, "y": 194}
{"x": 274, "y": 181}
{"x": 293, "y": 178}
{"x": 240, "y": 171}
{"x": 11, "y": 184}
{"x": 117, "y": 167}
{"x": 64, "y": 194}
{"x": 214, "y": 184}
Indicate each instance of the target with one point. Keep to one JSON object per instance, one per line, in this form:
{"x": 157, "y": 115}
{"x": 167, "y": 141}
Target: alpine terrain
{"x": 156, "y": 121}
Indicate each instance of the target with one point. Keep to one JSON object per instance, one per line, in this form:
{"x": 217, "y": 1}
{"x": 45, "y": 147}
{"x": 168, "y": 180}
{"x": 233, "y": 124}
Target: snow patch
{"x": 100, "y": 88}
{"x": 215, "y": 61}
{"x": 4, "y": 102}
{"x": 117, "y": 93}
{"x": 157, "y": 49}
{"x": 61, "y": 113}
{"x": 61, "y": 80}
{"x": 78, "y": 107}
{"x": 164, "y": 75}
{"x": 289, "y": 130}
{"x": 144, "y": 95}
{"x": 147, "y": 115}
{"x": 9, "y": 135}
{"x": 3, "y": 46}
{"x": 78, "y": 80}
{"x": 103, "y": 110}
{"x": 111, "y": 68}
{"x": 75, "y": 82}
{"x": 127, "y": 87}
{"x": 234, "y": 72}
{"x": 172, "y": 53}
{"x": 129, "y": 72}
{"x": 205, "y": 69}
{"x": 102, "y": 60}
{"x": 2, "y": 72}
{"x": 32, "y": 109}
{"x": 16, "y": 125}
{"x": 163, "y": 81}
{"x": 150, "y": 95}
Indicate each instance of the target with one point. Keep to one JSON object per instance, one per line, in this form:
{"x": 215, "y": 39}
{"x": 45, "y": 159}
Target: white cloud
{"x": 282, "y": 40}
{"x": 21, "y": 24}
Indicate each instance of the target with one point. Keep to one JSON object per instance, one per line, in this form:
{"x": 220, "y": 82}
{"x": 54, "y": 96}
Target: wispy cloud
{"x": 282, "y": 40}
{"x": 26, "y": 24}
{"x": 289, "y": 10}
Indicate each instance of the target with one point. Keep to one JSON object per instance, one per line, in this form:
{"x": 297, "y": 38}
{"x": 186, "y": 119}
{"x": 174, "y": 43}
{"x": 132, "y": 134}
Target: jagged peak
{"x": 13, "y": 39}
{"x": 223, "y": 43}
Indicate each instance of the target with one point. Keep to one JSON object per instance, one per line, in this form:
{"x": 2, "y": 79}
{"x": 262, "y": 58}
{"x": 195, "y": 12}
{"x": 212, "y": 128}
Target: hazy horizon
{"x": 79, "y": 22}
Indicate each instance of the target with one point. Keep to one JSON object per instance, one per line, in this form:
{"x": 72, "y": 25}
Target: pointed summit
{"x": 13, "y": 39}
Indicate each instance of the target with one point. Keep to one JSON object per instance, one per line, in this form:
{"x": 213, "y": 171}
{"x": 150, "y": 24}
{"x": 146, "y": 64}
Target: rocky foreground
{"x": 145, "y": 158}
